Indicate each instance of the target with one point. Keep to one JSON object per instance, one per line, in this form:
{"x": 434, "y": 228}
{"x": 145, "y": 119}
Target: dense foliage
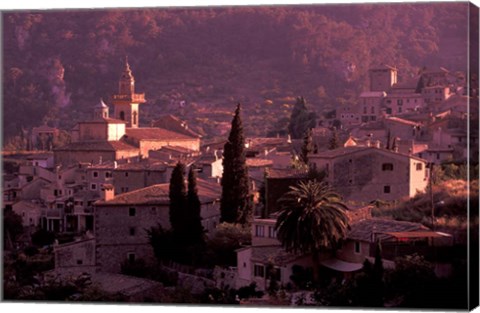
{"x": 235, "y": 204}
{"x": 59, "y": 63}
{"x": 312, "y": 217}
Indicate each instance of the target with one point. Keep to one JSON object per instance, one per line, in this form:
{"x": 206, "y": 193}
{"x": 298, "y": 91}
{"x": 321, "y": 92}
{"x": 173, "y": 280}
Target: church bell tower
{"x": 126, "y": 102}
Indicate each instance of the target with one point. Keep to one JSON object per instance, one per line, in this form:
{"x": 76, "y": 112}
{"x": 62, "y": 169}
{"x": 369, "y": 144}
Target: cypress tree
{"x": 301, "y": 119}
{"x": 178, "y": 201}
{"x": 235, "y": 205}
{"x": 307, "y": 146}
{"x": 194, "y": 219}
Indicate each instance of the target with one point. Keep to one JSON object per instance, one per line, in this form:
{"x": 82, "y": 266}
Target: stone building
{"x": 366, "y": 174}
{"x": 121, "y": 221}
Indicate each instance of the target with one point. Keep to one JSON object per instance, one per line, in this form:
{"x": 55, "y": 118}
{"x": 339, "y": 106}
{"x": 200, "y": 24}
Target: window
{"x": 271, "y": 232}
{"x": 108, "y": 174}
{"x": 153, "y": 210}
{"x": 387, "y": 167}
{"x": 95, "y": 174}
{"x": 259, "y": 231}
{"x": 399, "y": 109}
{"x": 244, "y": 264}
{"x": 419, "y": 166}
{"x": 126, "y": 174}
{"x": 59, "y": 205}
{"x": 59, "y": 176}
{"x": 258, "y": 270}
{"x": 364, "y": 110}
{"x": 132, "y": 212}
{"x": 79, "y": 262}
{"x": 357, "y": 247}
{"x": 131, "y": 257}
{"x": 132, "y": 231}
{"x": 93, "y": 186}
{"x": 386, "y": 189}
{"x": 438, "y": 156}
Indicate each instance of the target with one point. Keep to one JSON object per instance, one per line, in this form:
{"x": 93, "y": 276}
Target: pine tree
{"x": 235, "y": 206}
{"x": 178, "y": 201}
{"x": 334, "y": 142}
{"x": 307, "y": 146}
{"x": 193, "y": 217}
{"x": 301, "y": 119}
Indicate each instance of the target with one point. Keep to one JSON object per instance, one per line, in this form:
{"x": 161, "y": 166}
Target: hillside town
{"x": 101, "y": 208}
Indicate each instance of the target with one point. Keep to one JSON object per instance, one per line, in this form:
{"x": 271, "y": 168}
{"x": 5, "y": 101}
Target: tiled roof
{"x": 142, "y": 166}
{"x": 153, "y": 133}
{"x": 364, "y": 230}
{"x": 103, "y": 120}
{"x": 330, "y": 154}
{"x": 97, "y": 146}
{"x": 274, "y": 254}
{"x": 177, "y": 149}
{"x": 254, "y": 162}
{"x": 285, "y": 173}
{"x": 158, "y": 194}
{"x": 402, "y": 121}
{"x": 174, "y": 124}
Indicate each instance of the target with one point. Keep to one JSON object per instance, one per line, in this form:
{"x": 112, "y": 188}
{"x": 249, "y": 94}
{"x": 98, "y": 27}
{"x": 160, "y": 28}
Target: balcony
{"x": 135, "y": 97}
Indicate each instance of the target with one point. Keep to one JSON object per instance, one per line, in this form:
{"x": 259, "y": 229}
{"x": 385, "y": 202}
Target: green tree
{"x": 235, "y": 205}
{"x": 178, "y": 201}
{"x": 312, "y": 217}
{"x": 301, "y": 119}
{"x": 194, "y": 219}
{"x": 307, "y": 146}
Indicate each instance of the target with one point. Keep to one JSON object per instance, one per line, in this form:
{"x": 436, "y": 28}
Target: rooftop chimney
{"x": 107, "y": 192}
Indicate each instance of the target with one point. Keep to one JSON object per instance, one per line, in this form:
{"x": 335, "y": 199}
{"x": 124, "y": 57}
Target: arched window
{"x": 122, "y": 115}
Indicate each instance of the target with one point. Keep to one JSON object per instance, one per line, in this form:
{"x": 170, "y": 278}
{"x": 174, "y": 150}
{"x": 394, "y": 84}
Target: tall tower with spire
{"x": 126, "y": 102}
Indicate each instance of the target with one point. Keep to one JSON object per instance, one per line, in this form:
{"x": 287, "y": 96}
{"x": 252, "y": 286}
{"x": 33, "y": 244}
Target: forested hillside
{"x": 197, "y": 63}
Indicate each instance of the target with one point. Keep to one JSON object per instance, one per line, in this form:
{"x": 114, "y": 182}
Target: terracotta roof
{"x": 402, "y": 121}
{"x": 158, "y": 194}
{"x": 285, "y": 173}
{"x": 154, "y": 133}
{"x": 177, "y": 149}
{"x": 330, "y": 154}
{"x": 275, "y": 254}
{"x": 97, "y": 146}
{"x": 254, "y": 162}
{"x": 142, "y": 166}
{"x": 103, "y": 120}
{"x": 364, "y": 230}
{"x": 174, "y": 124}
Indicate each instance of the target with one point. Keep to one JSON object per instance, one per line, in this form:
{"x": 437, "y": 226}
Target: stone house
{"x": 370, "y": 105}
{"x": 136, "y": 175}
{"x": 121, "y": 221}
{"x": 30, "y": 211}
{"x": 366, "y": 174}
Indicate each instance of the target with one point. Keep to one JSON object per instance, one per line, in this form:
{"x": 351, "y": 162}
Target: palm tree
{"x": 312, "y": 217}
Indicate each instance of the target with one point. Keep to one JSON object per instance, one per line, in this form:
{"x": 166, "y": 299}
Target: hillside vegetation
{"x": 198, "y": 62}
